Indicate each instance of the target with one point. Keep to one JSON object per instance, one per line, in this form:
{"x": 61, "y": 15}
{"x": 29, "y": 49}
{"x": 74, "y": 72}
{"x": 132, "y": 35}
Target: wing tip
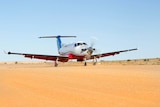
{"x": 133, "y": 49}
{"x": 9, "y": 52}
{"x": 6, "y": 52}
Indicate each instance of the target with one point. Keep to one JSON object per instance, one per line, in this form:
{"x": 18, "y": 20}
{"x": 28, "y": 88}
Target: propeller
{"x": 91, "y": 49}
{"x": 93, "y": 41}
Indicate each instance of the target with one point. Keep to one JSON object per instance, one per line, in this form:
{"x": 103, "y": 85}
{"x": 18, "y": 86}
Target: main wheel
{"x": 94, "y": 63}
{"x": 55, "y": 64}
{"x": 85, "y": 64}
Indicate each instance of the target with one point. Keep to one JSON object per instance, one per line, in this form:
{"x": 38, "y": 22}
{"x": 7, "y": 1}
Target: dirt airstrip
{"x": 42, "y": 85}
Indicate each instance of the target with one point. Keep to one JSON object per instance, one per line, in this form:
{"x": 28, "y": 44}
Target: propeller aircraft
{"x": 77, "y": 50}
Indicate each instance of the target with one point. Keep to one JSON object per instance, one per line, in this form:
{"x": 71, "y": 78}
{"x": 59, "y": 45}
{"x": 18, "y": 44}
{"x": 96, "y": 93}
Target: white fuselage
{"x": 77, "y": 49}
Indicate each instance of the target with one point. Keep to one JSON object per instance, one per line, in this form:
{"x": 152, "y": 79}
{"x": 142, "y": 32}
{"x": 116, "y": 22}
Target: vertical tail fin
{"x": 59, "y": 42}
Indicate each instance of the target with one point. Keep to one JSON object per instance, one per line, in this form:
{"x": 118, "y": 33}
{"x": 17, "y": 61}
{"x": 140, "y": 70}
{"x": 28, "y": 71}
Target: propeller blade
{"x": 93, "y": 41}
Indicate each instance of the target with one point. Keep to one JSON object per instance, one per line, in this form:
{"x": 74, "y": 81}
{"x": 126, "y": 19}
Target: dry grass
{"x": 149, "y": 61}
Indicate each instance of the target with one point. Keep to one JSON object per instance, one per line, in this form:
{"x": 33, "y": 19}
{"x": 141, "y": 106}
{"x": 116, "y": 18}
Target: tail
{"x": 59, "y": 42}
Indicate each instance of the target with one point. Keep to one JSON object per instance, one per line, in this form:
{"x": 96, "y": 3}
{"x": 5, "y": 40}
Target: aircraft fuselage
{"x": 78, "y": 49}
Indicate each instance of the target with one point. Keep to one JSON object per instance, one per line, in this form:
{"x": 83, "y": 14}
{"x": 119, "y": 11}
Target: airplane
{"x": 77, "y": 50}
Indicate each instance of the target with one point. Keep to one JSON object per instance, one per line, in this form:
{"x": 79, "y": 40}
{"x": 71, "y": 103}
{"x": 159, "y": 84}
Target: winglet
{"x": 5, "y": 52}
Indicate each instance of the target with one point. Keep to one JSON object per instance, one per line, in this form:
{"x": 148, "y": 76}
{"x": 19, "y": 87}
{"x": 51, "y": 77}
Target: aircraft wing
{"x": 110, "y": 53}
{"x": 43, "y": 57}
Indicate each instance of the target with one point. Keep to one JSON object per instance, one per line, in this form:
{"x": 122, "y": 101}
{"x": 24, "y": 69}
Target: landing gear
{"x": 94, "y": 63}
{"x": 56, "y": 63}
{"x": 94, "y": 60}
{"x": 85, "y": 63}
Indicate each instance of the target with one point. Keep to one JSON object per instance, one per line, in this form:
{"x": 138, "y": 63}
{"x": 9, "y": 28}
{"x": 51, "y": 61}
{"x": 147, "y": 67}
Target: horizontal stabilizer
{"x": 57, "y": 36}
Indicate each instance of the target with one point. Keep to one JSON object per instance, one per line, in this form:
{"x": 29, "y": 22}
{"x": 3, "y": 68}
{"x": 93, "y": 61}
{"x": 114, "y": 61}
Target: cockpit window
{"x": 78, "y": 44}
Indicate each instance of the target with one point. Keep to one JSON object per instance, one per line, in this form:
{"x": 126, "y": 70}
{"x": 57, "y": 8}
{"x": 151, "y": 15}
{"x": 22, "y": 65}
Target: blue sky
{"x": 117, "y": 24}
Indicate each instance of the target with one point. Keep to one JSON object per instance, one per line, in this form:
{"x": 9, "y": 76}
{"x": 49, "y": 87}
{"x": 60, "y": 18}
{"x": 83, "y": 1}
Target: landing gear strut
{"x": 85, "y": 63}
{"x": 94, "y": 61}
{"x": 56, "y": 63}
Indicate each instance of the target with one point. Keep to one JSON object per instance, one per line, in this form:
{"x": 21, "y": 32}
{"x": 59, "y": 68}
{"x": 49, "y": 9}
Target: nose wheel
{"x": 94, "y": 61}
{"x": 85, "y": 63}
